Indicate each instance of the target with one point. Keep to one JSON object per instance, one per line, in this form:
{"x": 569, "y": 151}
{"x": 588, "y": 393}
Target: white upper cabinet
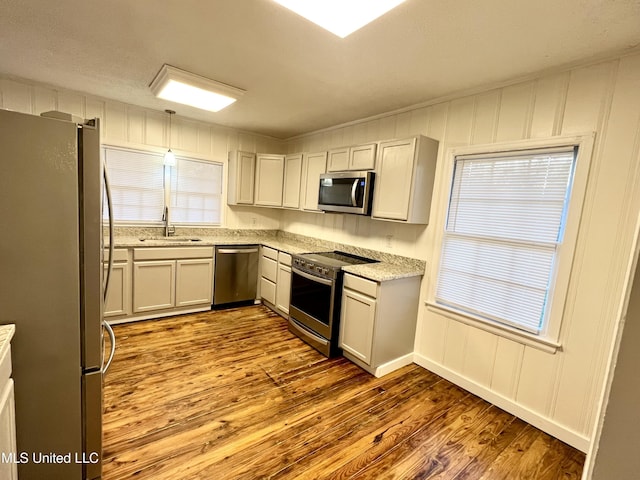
{"x": 314, "y": 165}
{"x": 292, "y": 181}
{"x": 338, "y": 159}
{"x": 360, "y": 157}
{"x": 242, "y": 171}
{"x": 269, "y": 180}
{"x": 404, "y": 179}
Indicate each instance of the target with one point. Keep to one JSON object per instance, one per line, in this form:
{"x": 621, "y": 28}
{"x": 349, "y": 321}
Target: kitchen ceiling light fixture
{"x": 187, "y": 88}
{"x": 340, "y": 17}
{"x": 169, "y": 157}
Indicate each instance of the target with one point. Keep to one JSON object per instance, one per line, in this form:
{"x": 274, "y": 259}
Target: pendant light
{"x": 169, "y": 157}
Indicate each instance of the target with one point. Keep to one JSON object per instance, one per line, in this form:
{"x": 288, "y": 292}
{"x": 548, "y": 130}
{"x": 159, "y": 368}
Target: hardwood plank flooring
{"x": 233, "y": 395}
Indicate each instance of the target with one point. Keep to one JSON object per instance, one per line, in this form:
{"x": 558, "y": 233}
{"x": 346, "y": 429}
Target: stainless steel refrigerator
{"x": 51, "y": 288}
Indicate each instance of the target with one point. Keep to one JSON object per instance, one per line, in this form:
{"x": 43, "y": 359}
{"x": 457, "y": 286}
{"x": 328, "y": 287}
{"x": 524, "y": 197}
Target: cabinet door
{"x": 362, "y": 157}
{"x": 268, "y": 268}
{"x": 283, "y": 288}
{"x": 242, "y": 170}
{"x": 153, "y": 285}
{"x": 194, "y": 282}
{"x": 356, "y": 324}
{"x": 8, "y": 469}
{"x": 269, "y": 179}
{"x": 338, "y": 159}
{"x": 315, "y": 164}
{"x": 393, "y": 180}
{"x": 292, "y": 178}
{"x": 118, "y": 297}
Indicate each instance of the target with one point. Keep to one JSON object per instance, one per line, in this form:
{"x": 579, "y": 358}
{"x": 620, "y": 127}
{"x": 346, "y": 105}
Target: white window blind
{"x": 196, "y": 189}
{"x": 137, "y": 185}
{"x": 505, "y": 222}
{"x": 141, "y": 183}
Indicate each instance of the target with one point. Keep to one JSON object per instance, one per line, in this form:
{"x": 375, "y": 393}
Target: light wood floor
{"x": 233, "y": 395}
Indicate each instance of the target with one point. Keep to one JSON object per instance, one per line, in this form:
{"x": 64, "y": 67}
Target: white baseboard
{"x": 545, "y": 424}
{"x": 394, "y": 364}
{"x": 137, "y": 318}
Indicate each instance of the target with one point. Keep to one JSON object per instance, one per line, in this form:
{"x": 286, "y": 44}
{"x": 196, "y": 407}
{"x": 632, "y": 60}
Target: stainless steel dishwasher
{"x": 236, "y": 274}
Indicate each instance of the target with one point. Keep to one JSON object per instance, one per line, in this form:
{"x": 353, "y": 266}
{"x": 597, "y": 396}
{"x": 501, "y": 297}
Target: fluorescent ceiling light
{"x": 340, "y": 17}
{"x": 189, "y": 89}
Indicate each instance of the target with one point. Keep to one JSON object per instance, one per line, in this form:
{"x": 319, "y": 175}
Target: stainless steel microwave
{"x": 346, "y": 192}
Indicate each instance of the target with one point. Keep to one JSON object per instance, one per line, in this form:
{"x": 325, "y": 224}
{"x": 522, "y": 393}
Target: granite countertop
{"x": 6, "y": 334}
{"x": 388, "y": 267}
{"x": 384, "y": 271}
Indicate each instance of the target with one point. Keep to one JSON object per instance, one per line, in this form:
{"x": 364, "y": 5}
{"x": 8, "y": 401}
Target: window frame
{"x": 549, "y": 337}
{"x": 149, "y": 149}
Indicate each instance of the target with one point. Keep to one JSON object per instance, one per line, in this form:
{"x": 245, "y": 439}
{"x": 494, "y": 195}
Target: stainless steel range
{"x": 316, "y": 294}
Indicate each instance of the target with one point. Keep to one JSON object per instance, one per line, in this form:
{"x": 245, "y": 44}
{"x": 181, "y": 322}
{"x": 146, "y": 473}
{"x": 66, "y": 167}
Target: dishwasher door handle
{"x": 237, "y": 250}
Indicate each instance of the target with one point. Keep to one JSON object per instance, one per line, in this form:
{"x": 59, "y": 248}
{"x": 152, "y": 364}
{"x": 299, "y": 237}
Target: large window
{"x": 503, "y": 235}
{"x": 141, "y": 187}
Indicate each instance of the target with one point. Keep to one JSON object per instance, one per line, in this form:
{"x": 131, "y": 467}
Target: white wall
{"x": 135, "y": 127}
{"x": 557, "y": 392}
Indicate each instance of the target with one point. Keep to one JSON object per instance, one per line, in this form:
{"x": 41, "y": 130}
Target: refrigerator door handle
{"x": 110, "y": 211}
{"x": 112, "y": 340}
{"x": 107, "y": 327}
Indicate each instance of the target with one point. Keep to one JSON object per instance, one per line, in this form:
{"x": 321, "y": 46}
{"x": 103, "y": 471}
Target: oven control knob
{"x": 325, "y": 271}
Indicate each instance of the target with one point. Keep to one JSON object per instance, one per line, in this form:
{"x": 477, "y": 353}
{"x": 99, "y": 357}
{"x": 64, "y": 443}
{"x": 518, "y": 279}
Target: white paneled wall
{"x": 557, "y": 392}
{"x": 136, "y": 127}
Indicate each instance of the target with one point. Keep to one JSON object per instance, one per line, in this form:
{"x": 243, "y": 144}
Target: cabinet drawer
{"x": 119, "y": 255}
{"x": 361, "y": 285}
{"x": 268, "y": 268}
{"x": 284, "y": 259}
{"x": 172, "y": 253}
{"x": 268, "y": 290}
{"x": 269, "y": 252}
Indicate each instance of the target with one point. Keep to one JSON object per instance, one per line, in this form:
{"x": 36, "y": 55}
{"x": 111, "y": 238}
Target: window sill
{"x": 541, "y": 343}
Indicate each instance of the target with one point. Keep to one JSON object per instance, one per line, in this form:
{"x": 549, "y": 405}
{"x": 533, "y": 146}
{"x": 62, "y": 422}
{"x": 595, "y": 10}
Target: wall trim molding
{"x": 545, "y": 424}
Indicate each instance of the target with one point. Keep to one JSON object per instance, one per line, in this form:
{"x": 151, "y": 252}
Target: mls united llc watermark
{"x": 40, "y": 457}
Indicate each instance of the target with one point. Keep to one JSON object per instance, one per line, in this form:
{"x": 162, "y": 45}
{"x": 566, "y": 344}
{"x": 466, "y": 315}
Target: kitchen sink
{"x": 170, "y": 239}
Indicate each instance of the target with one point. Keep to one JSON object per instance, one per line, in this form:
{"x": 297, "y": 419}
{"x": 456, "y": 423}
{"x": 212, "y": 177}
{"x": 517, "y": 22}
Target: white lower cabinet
{"x": 268, "y": 275}
{"x": 275, "y": 280}
{"x": 283, "y": 285}
{"x": 153, "y": 285}
{"x": 193, "y": 281}
{"x": 8, "y": 469}
{"x": 268, "y": 290}
{"x": 172, "y": 278}
{"x": 378, "y": 322}
{"x": 356, "y": 333}
{"x": 118, "y": 302}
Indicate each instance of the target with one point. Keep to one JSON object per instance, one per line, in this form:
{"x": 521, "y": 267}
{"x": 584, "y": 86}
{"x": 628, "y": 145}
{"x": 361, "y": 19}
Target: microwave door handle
{"x": 354, "y": 188}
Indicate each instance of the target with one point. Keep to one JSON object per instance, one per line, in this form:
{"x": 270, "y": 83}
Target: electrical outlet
{"x": 388, "y": 243}
{"x": 254, "y": 221}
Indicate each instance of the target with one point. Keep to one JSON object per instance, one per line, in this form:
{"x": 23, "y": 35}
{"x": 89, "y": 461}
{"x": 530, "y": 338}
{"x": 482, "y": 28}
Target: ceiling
{"x": 299, "y": 77}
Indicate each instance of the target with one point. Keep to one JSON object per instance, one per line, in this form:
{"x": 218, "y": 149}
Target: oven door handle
{"x": 313, "y": 278}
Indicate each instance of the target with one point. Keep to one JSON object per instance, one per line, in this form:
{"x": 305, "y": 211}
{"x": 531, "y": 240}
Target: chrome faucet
{"x": 169, "y": 230}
